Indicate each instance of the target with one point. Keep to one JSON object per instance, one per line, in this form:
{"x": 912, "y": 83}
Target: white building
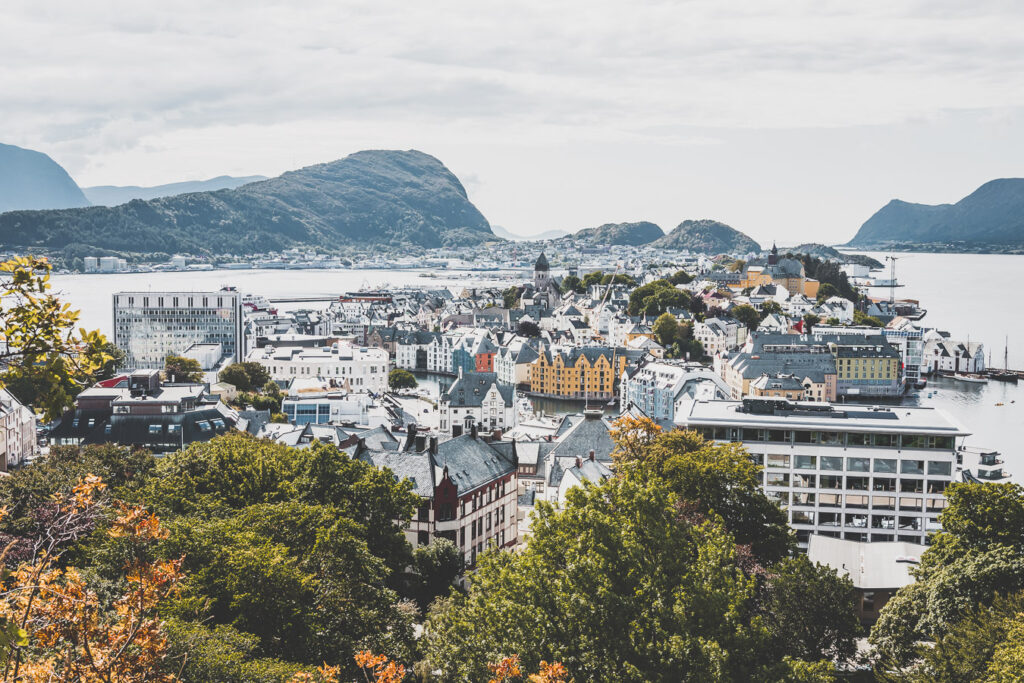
{"x": 352, "y": 369}
{"x": 942, "y": 354}
{"x": 149, "y": 326}
{"x": 207, "y": 355}
{"x": 105, "y": 264}
{"x": 861, "y": 473}
{"x": 18, "y": 425}
{"x": 477, "y": 399}
{"x": 656, "y": 388}
{"x": 720, "y": 336}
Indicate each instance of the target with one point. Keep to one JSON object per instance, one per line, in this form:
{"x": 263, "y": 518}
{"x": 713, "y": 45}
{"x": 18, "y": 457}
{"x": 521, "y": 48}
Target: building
{"x": 149, "y": 326}
{"x": 657, "y": 387}
{"x": 477, "y": 400}
{"x": 719, "y": 336}
{"x": 942, "y": 354}
{"x": 352, "y": 369}
{"x": 207, "y": 355}
{"x": 815, "y": 369}
{"x": 785, "y": 272}
{"x": 579, "y": 372}
{"x": 104, "y": 264}
{"x": 336, "y": 407}
{"x": 468, "y": 488}
{"x": 778, "y": 386}
{"x": 18, "y": 424}
{"x": 141, "y": 411}
{"x": 862, "y": 473}
{"x": 877, "y": 570}
{"x": 901, "y": 333}
{"x": 513, "y": 363}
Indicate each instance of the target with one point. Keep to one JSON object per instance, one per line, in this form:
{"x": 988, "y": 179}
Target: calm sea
{"x": 968, "y": 295}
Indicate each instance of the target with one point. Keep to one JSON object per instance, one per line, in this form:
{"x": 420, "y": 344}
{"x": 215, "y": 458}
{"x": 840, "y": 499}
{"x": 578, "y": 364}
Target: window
{"x": 910, "y": 503}
{"x": 910, "y": 523}
{"x": 806, "y": 481}
{"x": 858, "y": 439}
{"x": 174, "y": 429}
{"x": 422, "y": 538}
{"x": 806, "y": 462}
{"x": 777, "y": 479}
{"x": 853, "y": 501}
{"x": 883, "y": 502}
{"x": 156, "y": 429}
{"x": 780, "y": 497}
{"x": 885, "y": 465}
{"x": 883, "y": 522}
{"x": 828, "y": 519}
{"x": 911, "y": 486}
{"x": 857, "y": 521}
{"x": 883, "y": 484}
{"x": 857, "y": 483}
{"x": 831, "y": 463}
{"x": 803, "y": 498}
{"x": 779, "y": 436}
{"x": 830, "y": 500}
{"x": 777, "y": 460}
{"x": 912, "y": 467}
{"x": 886, "y": 441}
{"x": 937, "y": 486}
{"x": 858, "y": 464}
{"x": 203, "y": 425}
{"x": 939, "y": 468}
{"x": 830, "y": 481}
{"x": 803, "y": 517}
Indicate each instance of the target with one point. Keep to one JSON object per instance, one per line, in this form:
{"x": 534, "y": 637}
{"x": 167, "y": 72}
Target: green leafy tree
{"x": 862, "y": 318}
{"x": 680, "y": 277}
{"x": 247, "y": 376}
{"x": 769, "y": 307}
{"x": 810, "y": 611}
{"x": 747, "y": 315}
{"x": 438, "y": 565}
{"x": 810, "y": 320}
{"x": 510, "y": 296}
{"x": 45, "y": 360}
{"x": 571, "y": 283}
{"x": 181, "y": 369}
{"x": 665, "y": 328}
{"x": 619, "y": 279}
{"x": 978, "y": 555}
{"x": 656, "y": 297}
{"x": 528, "y": 328}
{"x": 827, "y": 290}
{"x": 627, "y": 558}
{"x": 592, "y": 278}
{"x": 399, "y": 379}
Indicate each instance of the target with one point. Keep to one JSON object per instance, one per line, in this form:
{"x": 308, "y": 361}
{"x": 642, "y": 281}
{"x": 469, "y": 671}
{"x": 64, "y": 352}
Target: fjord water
{"x": 969, "y": 295}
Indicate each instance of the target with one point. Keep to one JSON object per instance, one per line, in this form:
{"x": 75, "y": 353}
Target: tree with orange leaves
{"x": 509, "y": 669}
{"x": 632, "y": 437}
{"x": 56, "y": 628}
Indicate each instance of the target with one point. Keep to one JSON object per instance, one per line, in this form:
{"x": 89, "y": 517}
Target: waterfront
{"x": 962, "y": 294}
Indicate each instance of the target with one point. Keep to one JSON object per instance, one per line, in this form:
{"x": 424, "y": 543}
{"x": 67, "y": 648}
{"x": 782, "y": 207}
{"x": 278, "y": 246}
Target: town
{"x": 523, "y": 387}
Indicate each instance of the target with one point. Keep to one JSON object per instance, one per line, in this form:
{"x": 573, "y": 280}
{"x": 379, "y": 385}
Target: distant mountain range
{"x": 113, "y": 195}
{"x": 632, "y": 234}
{"x": 991, "y": 215}
{"x": 546, "y": 235}
{"x": 32, "y": 180}
{"x": 385, "y": 197}
{"x": 707, "y": 237}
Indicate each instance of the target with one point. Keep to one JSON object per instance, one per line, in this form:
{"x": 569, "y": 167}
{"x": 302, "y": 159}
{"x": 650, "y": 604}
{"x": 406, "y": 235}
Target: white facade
{"x": 352, "y": 368}
{"x": 148, "y": 326}
{"x": 861, "y": 473}
{"x": 18, "y": 425}
{"x": 719, "y": 336}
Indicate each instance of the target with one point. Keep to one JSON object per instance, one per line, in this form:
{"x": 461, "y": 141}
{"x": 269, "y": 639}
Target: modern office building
{"x": 862, "y": 473}
{"x": 149, "y": 326}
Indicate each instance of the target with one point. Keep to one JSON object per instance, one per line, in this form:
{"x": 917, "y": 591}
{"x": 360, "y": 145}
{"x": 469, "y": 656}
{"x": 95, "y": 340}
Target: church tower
{"x": 773, "y": 257}
{"x": 541, "y": 272}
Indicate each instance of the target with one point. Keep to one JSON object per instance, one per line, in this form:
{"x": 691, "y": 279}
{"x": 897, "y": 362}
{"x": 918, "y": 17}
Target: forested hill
{"x": 395, "y": 198}
{"x": 708, "y": 237}
{"x": 633, "y": 234}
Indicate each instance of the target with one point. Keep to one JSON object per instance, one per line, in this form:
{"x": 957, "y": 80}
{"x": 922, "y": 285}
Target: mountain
{"x": 707, "y": 237}
{"x": 991, "y": 215}
{"x": 32, "y": 180}
{"x": 826, "y": 253}
{"x": 112, "y": 195}
{"x": 379, "y": 197}
{"x": 546, "y": 235}
{"x": 633, "y": 234}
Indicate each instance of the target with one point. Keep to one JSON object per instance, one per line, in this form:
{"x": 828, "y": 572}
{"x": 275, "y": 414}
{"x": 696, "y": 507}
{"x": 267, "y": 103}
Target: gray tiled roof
{"x": 471, "y": 387}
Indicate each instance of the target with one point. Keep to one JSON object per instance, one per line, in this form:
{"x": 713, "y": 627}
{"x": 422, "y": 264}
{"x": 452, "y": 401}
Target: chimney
{"x": 591, "y": 456}
{"x": 473, "y": 431}
{"x": 410, "y": 438}
{"x": 496, "y": 434}
{"x": 421, "y": 442}
{"x": 579, "y": 461}
{"x": 433, "y": 445}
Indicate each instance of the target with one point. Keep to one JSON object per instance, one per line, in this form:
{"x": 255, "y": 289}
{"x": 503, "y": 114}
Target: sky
{"x": 791, "y": 120}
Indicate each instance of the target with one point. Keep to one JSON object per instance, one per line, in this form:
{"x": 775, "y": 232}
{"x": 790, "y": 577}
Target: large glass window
{"x": 939, "y": 468}
{"x": 886, "y": 440}
{"x": 883, "y": 502}
{"x": 804, "y": 437}
{"x": 156, "y": 429}
{"x": 858, "y": 464}
{"x": 753, "y": 434}
{"x": 883, "y": 522}
{"x": 857, "y": 483}
{"x": 828, "y": 518}
{"x": 936, "y": 504}
{"x": 831, "y": 481}
{"x": 805, "y": 462}
{"x": 804, "y": 481}
{"x": 912, "y": 485}
{"x": 858, "y": 439}
{"x": 910, "y": 523}
{"x": 777, "y": 479}
{"x": 831, "y": 463}
{"x": 803, "y": 498}
{"x": 830, "y": 500}
{"x": 885, "y": 465}
{"x": 883, "y": 484}
{"x": 914, "y": 441}
{"x": 830, "y": 438}
{"x": 854, "y": 501}
{"x": 937, "y": 485}
{"x": 803, "y": 517}
{"x": 857, "y": 521}
{"x": 912, "y": 467}
{"x": 910, "y": 503}
{"x": 779, "y": 435}
{"x": 778, "y": 460}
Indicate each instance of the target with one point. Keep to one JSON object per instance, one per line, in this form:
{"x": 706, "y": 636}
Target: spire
{"x": 542, "y": 263}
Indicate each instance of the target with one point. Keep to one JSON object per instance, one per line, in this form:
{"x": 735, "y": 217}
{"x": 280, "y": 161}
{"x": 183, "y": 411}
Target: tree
{"x": 825, "y": 625}
{"x": 747, "y": 315}
{"x": 737, "y": 266}
{"x": 770, "y": 307}
{"x": 680, "y": 277}
{"x": 58, "y": 627}
{"x": 810, "y": 320}
{"x": 571, "y": 283}
{"x": 827, "y": 290}
{"x": 399, "y": 379}
{"x": 656, "y": 297}
{"x": 832, "y": 321}
{"x": 528, "y": 328}
{"x": 592, "y": 278}
{"x": 861, "y": 318}
{"x": 629, "y": 558}
{"x": 247, "y": 376}
{"x": 438, "y": 565}
{"x": 717, "y": 480}
{"x": 978, "y": 555}
{"x": 664, "y": 329}
{"x": 181, "y": 369}
{"x": 45, "y": 360}
{"x": 510, "y": 296}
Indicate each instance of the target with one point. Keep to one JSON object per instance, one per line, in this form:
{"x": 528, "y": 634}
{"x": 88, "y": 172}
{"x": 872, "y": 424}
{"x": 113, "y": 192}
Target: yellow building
{"x": 787, "y": 272}
{"x": 587, "y": 372}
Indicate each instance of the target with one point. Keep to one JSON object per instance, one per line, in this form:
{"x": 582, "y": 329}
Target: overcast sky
{"x": 790, "y": 120}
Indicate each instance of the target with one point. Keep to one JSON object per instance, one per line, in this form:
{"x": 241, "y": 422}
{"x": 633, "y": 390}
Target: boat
{"x": 999, "y": 403}
{"x": 1004, "y": 375}
{"x": 976, "y": 379}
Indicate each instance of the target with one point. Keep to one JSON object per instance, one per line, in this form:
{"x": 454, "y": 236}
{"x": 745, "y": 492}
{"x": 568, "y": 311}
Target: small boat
{"x": 976, "y": 379}
{"x": 999, "y": 404}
